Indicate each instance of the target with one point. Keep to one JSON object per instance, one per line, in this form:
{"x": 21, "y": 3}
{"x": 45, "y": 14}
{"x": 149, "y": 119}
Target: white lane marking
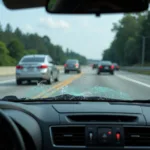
{"x": 132, "y": 80}
{"x": 7, "y": 81}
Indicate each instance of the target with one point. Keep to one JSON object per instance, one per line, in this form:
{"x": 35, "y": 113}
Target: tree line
{"x": 126, "y": 48}
{"x": 15, "y": 44}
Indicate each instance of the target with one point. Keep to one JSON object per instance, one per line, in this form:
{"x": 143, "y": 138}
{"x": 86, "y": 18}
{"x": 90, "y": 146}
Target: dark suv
{"x": 72, "y": 65}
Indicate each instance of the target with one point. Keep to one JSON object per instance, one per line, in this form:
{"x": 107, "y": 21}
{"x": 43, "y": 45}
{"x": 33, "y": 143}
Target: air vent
{"x": 137, "y": 136}
{"x": 102, "y": 118}
{"x": 68, "y": 136}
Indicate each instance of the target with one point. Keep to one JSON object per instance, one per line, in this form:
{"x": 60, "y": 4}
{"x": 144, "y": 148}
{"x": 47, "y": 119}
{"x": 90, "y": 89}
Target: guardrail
{"x": 10, "y": 70}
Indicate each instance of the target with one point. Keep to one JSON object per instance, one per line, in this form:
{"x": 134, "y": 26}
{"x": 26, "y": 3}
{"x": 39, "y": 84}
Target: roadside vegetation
{"x": 126, "y": 47}
{"x": 14, "y": 44}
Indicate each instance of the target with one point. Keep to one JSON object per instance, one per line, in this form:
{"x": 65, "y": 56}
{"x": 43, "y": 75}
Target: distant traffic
{"x": 42, "y": 68}
{"x": 105, "y": 66}
{"x": 72, "y": 65}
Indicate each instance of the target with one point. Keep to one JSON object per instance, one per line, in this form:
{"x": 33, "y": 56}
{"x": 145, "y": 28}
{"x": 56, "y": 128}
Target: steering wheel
{"x": 5, "y": 120}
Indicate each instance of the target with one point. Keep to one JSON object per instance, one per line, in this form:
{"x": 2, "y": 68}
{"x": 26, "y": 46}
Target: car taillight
{"x": 112, "y": 66}
{"x": 101, "y": 67}
{"x": 77, "y": 65}
{"x": 42, "y": 66}
{"x": 65, "y": 65}
{"x": 19, "y": 67}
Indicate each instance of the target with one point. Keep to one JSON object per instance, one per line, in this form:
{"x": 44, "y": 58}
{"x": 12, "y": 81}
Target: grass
{"x": 146, "y": 64}
{"x": 147, "y": 72}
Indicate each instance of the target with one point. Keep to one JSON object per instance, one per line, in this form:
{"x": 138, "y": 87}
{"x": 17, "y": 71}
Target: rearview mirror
{"x": 95, "y": 6}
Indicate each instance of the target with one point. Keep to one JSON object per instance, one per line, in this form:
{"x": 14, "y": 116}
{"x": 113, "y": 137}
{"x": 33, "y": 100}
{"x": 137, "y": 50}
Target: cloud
{"x": 28, "y": 28}
{"x": 49, "y": 22}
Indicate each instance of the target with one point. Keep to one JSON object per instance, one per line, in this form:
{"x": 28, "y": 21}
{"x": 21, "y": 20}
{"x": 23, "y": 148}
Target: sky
{"x": 88, "y": 35}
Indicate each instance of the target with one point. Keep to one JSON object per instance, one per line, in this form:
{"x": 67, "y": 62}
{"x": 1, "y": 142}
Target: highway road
{"x": 131, "y": 85}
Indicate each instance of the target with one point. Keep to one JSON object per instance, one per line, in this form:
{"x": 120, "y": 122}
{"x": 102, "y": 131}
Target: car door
{"x": 53, "y": 67}
{"x": 50, "y": 65}
{"x": 56, "y": 69}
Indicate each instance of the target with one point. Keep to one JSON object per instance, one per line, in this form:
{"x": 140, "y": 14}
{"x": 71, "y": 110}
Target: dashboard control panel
{"x": 87, "y": 136}
{"x": 104, "y": 136}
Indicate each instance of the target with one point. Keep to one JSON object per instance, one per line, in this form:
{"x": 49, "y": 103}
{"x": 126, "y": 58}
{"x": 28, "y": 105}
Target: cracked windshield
{"x": 44, "y": 55}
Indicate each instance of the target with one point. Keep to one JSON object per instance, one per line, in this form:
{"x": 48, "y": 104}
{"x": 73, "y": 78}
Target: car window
{"x": 33, "y": 59}
{"x": 72, "y": 61}
{"x": 106, "y": 63}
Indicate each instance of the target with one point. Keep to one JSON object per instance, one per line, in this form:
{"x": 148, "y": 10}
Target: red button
{"x": 109, "y": 132}
{"x": 118, "y": 136}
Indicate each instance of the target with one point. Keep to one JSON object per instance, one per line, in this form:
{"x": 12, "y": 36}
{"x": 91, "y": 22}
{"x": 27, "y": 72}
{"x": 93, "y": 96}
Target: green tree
{"x": 126, "y": 46}
{"x": 16, "y": 49}
{"x": 18, "y": 33}
{"x": 20, "y": 44}
{"x": 146, "y": 32}
{"x": 30, "y": 51}
{"x": 5, "y": 59}
{"x": 1, "y": 29}
{"x": 8, "y": 28}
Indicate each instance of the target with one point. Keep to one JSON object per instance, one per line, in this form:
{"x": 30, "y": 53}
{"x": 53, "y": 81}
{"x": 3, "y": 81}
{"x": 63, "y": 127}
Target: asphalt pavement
{"x": 123, "y": 84}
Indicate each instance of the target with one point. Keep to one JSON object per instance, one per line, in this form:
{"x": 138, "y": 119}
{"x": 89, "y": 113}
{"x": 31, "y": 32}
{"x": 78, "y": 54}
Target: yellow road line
{"x": 51, "y": 88}
{"x": 55, "y": 86}
{"x": 53, "y": 91}
{"x": 64, "y": 84}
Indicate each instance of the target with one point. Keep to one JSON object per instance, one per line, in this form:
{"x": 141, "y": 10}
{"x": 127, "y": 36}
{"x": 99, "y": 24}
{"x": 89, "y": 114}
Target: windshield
{"x": 120, "y": 38}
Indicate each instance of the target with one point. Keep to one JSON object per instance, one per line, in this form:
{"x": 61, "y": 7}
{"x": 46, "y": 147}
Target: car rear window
{"x": 72, "y": 61}
{"x": 33, "y": 59}
{"x": 106, "y": 63}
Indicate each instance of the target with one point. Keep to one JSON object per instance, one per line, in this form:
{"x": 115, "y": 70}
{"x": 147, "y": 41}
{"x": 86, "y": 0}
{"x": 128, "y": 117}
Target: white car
{"x": 36, "y": 67}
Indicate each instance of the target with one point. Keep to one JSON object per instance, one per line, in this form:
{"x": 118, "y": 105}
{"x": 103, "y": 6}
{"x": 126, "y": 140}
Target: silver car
{"x": 36, "y": 67}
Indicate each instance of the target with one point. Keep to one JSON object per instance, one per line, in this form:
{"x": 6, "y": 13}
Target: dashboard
{"x": 77, "y": 125}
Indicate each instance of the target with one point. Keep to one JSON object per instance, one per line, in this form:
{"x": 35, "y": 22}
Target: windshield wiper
{"x": 12, "y": 98}
{"x": 68, "y": 97}
{"x": 65, "y": 97}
